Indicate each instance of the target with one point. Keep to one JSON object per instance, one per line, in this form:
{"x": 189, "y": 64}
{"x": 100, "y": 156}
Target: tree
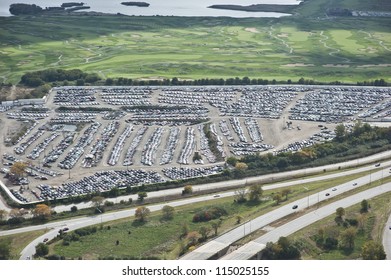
{"x": 18, "y": 169}
{"x": 74, "y": 209}
{"x": 109, "y": 82}
{"x": 204, "y": 231}
{"x": 372, "y": 250}
{"x": 216, "y": 226}
{"x": 41, "y": 250}
{"x": 142, "y": 213}
{"x": 141, "y": 196}
{"x": 168, "y": 212}
{"x": 347, "y": 238}
{"x": 192, "y": 238}
{"x": 340, "y": 212}
{"x": 239, "y": 219}
{"x": 282, "y": 250}
{"x": 241, "y": 166}
{"x": 340, "y": 132}
{"x": 97, "y": 201}
{"x": 184, "y": 229}
{"x": 5, "y": 250}
{"x": 240, "y": 195}
{"x": 361, "y": 219}
{"x": 15, "y": 213}
{"x": 364, "y": 206}
{"x": 3, "y": 214}
{"x": 187, "y": 190}
{"x": 282, "y": 163}
{"x": 255, "y": 193}
{"x": 41, "y": 211}
{"x": 286, "y": 192}
{"x": 232, "y": 161}
{"x": 277, "y": 198}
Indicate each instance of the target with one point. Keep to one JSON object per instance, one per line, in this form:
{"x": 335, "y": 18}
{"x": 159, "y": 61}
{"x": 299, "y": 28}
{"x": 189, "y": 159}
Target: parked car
{"x": 295, "y": 206}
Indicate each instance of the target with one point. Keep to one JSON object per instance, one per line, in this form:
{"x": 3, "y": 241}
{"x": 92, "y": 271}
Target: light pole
{"x": 97, "y": 208}
{"x": 317, "y": 206}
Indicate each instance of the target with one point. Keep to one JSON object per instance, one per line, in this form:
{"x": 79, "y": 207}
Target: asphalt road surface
{"x": 211, "y": 248}
{"x": 247, "y": 228}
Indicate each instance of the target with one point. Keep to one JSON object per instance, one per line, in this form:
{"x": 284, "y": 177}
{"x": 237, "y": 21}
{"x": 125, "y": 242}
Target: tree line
{"x": 60, "y": 77}
{"x": 362, "y": 140}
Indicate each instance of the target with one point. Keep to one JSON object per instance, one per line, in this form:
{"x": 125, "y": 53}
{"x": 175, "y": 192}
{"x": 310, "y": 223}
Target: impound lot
{"x": 89, "y": 139}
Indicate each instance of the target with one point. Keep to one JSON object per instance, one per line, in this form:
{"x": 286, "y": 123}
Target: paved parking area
{"x": 84, "y": 133}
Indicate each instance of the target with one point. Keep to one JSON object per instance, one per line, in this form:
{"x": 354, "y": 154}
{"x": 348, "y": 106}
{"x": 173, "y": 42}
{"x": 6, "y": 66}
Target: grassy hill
{"x": 308, "y": 44}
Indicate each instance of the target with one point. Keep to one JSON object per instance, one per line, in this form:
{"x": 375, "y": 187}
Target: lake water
{"x": 159, "y": 7}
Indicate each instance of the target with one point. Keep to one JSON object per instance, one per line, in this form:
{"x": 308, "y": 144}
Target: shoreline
{"x": 272, "y": 8}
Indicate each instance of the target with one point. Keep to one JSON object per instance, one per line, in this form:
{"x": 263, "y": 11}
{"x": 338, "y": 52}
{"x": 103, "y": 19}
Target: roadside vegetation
{"x": 352, "y": 233}
{"x": 164, "y": 235}
{"x": 361, "y": 141}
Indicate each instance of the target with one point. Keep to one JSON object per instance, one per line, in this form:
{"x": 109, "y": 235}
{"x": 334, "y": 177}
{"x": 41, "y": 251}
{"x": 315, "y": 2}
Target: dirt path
{"x": 280, "y": 39}
{"x": 335, "y": 50}
{"x": 371, "y": 38}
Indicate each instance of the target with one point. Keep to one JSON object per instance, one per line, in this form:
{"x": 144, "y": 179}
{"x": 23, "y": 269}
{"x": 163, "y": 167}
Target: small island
{"x": 137, "y": 4}
{"x": 32, "y": 9}
{"x": 71, "y": 4}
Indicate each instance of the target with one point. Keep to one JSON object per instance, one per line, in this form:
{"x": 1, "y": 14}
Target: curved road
{"x": 224, "y": 241}
{"x": 247, "y": 251}
{"x": 87, "y": 221}
{"x": 250, "y": 180}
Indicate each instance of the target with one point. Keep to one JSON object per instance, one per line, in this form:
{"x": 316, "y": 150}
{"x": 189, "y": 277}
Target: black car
{"x": 294, "y": 207}
{"x": 327, "y": 194}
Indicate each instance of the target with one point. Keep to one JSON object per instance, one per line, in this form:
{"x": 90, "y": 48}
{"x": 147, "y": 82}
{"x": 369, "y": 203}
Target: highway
{"x": 220, "y": 243}
{"x": 250, "y": 180}
{"x": 247, "y": 251}
{"x": 73, "y": 224}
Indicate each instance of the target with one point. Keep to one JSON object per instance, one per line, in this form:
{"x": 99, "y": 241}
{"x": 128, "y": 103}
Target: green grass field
{"x": 374, "y": 223}
{"x": 160, "y": 239}
{"x": 323, "y": 49}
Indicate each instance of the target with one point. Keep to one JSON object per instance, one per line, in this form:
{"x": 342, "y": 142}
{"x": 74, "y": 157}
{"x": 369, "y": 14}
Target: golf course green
{"x": 308, "y": 44}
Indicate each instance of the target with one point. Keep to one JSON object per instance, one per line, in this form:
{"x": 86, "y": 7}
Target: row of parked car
{"x": 188, "y": 147}
{"x": 125, "y": 96}
{"x": 77, "y": 150}
{"x": 128, "y": 160}
{"x": 171, "y": 144}
{"x": 259, "y": 102}
{"x": 35, "y": 153}
{"x": 148, "y": 155}
{"x": 22, "y": 116}
{"x": 204, "y": 145}
{"x": 119, "y": 145}
{"x": 177, "y": 173}
{"x": 74, "y": 117}
{"x": 30, "y": 140}
{"x": 75, "y": 96}
{"x": 99, "y": 182}
{"x": 197, "y": 95}
{"x": 334, "y": 104}
{"x": 100, "y": 145}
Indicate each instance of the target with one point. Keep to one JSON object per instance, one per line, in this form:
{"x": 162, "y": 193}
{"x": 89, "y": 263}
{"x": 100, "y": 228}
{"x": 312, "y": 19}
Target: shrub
{"x": 209, "y": 214}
